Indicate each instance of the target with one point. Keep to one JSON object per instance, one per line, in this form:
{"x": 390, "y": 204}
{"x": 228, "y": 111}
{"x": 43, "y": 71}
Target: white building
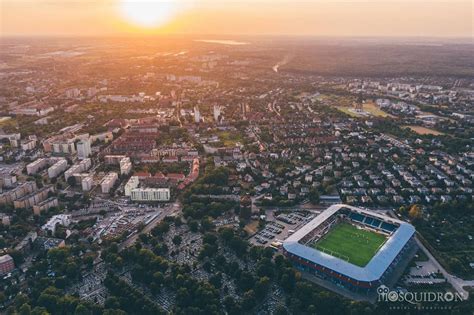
{"x": 83, "y": 166}
{"x": 62, "y": 219}
{"x": 35, "y": 166}
{"x": 64, "y": 147}
{"x": 72, "y": 93}
{"x": 132, "y": 183}
{"x": 108, "y": 182}
{"x": 217, "y": 113}
{"x": 57, "y": 168}
{"x": 87, "y": 183}
{"x": 150, "y": 194}
{"x": 28, "y": 144}
{"x": 113, "y": 159}
{"x": 125, "y": 166}
{"x": 197, "y": 115}
{"x": 84, "y": 149}
{"x": 7, "y": 180}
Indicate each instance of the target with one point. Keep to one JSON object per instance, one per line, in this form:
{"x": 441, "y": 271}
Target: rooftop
{"x": 5, "y": 258}
{"x": 376, "y": 266}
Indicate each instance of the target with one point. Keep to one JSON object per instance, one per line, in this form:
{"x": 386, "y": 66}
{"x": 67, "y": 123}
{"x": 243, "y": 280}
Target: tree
{"x": 281, "y": 310}
{"x": 226, "y": 234}
{"x": 206, "y": 224}
{"x": 193, "y": 225}
{"x": 248, "y": 300}
{"x": 40, "y": 311}
{"x": 177, "y": 240}
{"x": 25, "y": 309}
{"x": 229, "y": 303}
{"x": 313, "y": 196}
{"x": 112, "y": 302}
{"x": 245, "y": 212}
{"x": 403, "y": 210}
{"x": 262, "y": 287}
{"x": 216, "y": 280}
{"x": 71, "y": 180}
{"x": 81, "y": 309}
{"x": 20, "y": 300}
{"x": 415, "y": 212}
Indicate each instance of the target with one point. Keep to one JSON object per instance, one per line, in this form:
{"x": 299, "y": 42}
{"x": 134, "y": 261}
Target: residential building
{"x": 82, "y": 166}
{"x": 57, "y": 168}
{"x": 10, "y": 196}
{"x": 87, "y": 183}
{"x": 45, "y": 205}
{"x": 150, "y": 194}
{"x": 6, "y": 264}
{"x": 62, "y": 219}
{"x": 108, "y": 182}
{"x": 33, "y": 198}
{"x": 84, "y": 149}
{"x": 132, "y": 183}
{"x": 125, "y": 166}
{"x": 35, "y": 166}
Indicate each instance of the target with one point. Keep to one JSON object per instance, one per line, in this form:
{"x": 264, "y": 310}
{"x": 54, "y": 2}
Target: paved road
{"x": 456, "y": 282}
{"x": 166, "y": 211}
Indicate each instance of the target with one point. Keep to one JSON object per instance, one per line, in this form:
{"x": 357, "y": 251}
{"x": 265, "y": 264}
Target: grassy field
{"x": 424, "y": 131}
{"x": 375, "y": 110}
{"x": 7, "y": 121}
{"x": 369, "y": 107}
{"x": 252, "y": 227}
{"x": 230, "y": 138}
{"x": 350, "y": 243}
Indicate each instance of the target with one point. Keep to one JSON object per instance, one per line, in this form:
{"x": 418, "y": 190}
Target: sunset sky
{"x": 420, "y": 18}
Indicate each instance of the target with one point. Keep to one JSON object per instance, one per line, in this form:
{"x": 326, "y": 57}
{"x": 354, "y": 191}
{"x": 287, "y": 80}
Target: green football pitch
{"x": 347, "y": 242}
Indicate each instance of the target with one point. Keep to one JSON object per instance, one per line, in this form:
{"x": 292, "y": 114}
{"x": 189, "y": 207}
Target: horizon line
{"x": 131, "y": 35}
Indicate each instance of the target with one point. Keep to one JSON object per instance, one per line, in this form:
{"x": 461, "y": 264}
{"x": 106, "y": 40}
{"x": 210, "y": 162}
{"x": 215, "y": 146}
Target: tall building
{"x": 72, "y": 93}
{"x": 87, "y": 183}
{"x": 57, "y": 168}
{"x": 132, "y": 183}
{"x": 197, "y": 115}
{"x": 34, "y": 198}
{"x": 8, "y": 197}
{"x": 84, "y": 149}
{"x": 6, "y": 264}
{"x": 108, "y": 182}
{"x": 125, "y": 166}
{"x": 243, "y": 109}
{"x": 217, "y": 113}
{"x": 35, "y": 166}
{"x": 45, "y": 205}
{"x": 83, "y": 166}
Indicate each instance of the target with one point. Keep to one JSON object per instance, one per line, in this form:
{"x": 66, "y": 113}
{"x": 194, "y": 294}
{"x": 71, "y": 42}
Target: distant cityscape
{"x": 246, "y": 176}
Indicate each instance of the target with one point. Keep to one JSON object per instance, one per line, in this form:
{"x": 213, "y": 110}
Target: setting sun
{"x": 148, "y": 13}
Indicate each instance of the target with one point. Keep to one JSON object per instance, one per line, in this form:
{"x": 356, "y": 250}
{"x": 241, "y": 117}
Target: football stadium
{"x": 351, "y": 247}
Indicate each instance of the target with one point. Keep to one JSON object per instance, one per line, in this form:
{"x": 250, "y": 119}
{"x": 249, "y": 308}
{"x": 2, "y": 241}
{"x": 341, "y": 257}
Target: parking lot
{"x": 425, "y": 272}
{"x": 279, "y": 226}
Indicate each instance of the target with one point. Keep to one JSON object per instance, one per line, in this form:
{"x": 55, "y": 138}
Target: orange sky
{"x": 443, "y": 18}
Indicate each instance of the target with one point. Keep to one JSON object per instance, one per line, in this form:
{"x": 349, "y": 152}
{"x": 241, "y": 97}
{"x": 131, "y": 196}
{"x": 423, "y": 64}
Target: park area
{"x": 368, "y": 108}
{"x": 230, "y": 138}
{"x": 350, "y": 243}
{"x": 424, "y": 131}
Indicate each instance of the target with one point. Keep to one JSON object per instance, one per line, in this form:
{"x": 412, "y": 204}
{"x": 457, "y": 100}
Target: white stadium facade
{"x": 400, "y": 241}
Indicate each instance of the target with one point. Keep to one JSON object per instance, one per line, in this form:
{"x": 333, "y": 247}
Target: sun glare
{"x": 148, "y": 13}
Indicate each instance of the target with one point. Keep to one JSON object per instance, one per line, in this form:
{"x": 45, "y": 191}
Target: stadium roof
{"x": 376, "y": 266}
